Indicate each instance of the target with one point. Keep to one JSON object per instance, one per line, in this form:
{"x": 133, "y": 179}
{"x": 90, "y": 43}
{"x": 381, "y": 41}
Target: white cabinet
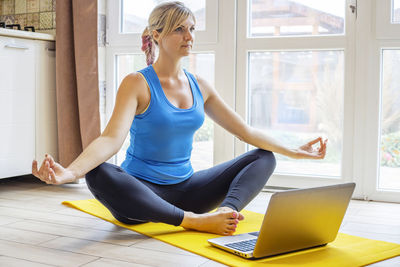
{"x": 27, "y": 103}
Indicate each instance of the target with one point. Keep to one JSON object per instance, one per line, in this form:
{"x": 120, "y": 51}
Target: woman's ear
{"x": 156, "y": 36}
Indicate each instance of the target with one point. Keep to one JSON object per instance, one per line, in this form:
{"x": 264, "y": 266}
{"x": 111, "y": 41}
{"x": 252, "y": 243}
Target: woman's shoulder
{"x": 133, "y": 82}
{"x": 134, "y": 86}
{"x": 205, "y": 87}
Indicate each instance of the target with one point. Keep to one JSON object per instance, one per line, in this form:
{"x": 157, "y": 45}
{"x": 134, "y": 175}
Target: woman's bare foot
{"x": 239, "y": 216}
{"x": 220, "y": 222}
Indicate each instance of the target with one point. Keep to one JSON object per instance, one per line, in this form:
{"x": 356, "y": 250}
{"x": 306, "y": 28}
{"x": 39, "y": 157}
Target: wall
{"x": 38, "y": 13}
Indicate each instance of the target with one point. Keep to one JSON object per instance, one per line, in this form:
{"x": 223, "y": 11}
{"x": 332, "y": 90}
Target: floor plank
{"x": 4, "y": 220}
{"x": 44, "y": 216}
{"x": 14, "y": 262}
{"x": 123, "y": 237}
{"x": 23, "y": 236}
{"x": 103, "y": 262}
{"x": 122, "y": 253}
{"x": 43, "y": 255}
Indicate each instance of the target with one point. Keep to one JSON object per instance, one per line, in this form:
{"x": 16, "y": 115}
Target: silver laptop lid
{"x": 303, "y": 218}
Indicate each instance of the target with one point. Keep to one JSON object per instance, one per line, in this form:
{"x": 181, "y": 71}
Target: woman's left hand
{"x": 307, "y": 151}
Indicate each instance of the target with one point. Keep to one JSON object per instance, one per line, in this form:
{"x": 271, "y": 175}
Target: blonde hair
{"x": 164, "y": 18}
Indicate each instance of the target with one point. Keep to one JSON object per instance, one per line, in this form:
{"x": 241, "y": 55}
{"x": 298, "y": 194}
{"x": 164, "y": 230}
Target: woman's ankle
{"x": 189, "y": 219}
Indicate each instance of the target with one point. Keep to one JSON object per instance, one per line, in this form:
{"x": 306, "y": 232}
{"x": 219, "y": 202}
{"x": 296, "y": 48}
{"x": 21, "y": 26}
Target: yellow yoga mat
{"x": 346, "y": 250}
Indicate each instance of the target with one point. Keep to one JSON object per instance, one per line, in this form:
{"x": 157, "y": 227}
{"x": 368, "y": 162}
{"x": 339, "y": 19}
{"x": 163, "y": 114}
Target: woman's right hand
{"x": 52, "y": 172}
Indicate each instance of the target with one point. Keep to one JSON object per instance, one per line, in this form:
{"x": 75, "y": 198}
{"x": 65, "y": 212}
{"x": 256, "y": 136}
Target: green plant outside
{"x": 390, "y": 150}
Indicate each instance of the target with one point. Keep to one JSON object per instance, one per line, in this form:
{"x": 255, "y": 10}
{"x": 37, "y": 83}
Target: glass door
{"x": 382, "y": 168}
{"x": 294, "y": 71}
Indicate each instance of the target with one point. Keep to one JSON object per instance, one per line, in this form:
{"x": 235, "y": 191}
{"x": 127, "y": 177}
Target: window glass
{"x": 395, "y": 11}
{"x": 296, "y": 96}
{"x": 389, "y": 177}
{"x": 201, "y": 64}
{"x": 135, "y": 14}
{"x": 296, "y": 17}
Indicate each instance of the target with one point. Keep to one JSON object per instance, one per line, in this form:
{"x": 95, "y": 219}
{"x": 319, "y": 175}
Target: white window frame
{"x": 116, "y": 38}
{"x": 372, "y": 40}
{"x": 385, "y": 29}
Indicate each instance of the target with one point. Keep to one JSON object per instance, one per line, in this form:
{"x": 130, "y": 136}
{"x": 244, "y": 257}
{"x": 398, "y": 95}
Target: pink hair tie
{"x": 146, "y": 42}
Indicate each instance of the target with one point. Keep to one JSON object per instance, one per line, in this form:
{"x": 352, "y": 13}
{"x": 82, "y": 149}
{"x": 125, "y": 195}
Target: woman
{"x": 162, "y": 106}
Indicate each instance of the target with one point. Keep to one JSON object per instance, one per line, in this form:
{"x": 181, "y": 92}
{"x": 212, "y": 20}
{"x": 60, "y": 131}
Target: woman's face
{"x": 179, "y": 42}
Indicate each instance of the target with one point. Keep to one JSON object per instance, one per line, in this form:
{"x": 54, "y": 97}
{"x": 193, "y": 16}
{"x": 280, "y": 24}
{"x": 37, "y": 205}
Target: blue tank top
{"x": 161, "y": 138}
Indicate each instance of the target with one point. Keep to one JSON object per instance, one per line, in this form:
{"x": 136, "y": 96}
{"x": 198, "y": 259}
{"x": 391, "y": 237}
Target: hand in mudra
{"x": 307, "y": 151}
{"x": 52, "y": 172}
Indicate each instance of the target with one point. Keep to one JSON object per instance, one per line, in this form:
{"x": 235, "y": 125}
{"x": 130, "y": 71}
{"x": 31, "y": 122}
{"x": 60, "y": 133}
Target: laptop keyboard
{"x": 246, "y": 245}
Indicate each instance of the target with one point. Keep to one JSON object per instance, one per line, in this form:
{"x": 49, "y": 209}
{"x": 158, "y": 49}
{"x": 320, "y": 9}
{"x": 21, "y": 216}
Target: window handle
{"x": 353, "y": 8}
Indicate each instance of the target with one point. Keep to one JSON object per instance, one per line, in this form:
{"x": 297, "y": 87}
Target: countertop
{"x": 27, "y": 35}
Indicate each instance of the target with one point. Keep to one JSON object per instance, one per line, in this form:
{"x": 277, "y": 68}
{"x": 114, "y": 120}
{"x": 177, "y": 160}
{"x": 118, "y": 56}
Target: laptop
{"x": 295, "y": 220}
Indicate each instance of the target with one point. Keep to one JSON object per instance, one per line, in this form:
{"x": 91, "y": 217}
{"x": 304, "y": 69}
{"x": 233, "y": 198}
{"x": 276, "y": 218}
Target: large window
{"x": 296, "y": 69}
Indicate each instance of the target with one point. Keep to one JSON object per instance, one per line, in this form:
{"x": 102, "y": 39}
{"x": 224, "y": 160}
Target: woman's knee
{"x": 268, "y": 159}
{"x": 92, "y": 175}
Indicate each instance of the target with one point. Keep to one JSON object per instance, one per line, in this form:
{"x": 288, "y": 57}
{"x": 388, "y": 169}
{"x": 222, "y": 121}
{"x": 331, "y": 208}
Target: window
{"x": 299, "y": 98}
{"x": 395, "y": 11}
{"x": 296, "y": 17}
{"x": 390, "y": 121}
{"x": 293, "y": 53}
{"x": 134, "y": 16}
{"x": 130, "y": 19}
{"x": 296, "y": 69}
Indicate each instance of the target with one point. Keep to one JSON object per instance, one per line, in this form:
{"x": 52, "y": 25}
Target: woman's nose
{"x": 188, "y": 35}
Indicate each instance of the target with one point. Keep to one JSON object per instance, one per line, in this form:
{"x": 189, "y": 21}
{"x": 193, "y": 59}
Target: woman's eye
{"x": 178, "y": 29}
{"x": 192, "y": 29}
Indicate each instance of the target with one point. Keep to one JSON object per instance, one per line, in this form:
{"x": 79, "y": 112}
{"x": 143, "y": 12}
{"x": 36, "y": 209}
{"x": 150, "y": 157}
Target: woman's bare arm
{"x": 104, "y": 146}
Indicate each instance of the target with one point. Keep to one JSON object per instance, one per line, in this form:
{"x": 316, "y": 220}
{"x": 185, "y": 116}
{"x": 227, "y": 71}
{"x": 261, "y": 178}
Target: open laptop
{"x": 295, "y": 220}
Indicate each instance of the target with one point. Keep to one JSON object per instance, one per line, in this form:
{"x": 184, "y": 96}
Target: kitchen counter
{"x": 27, "y": 35}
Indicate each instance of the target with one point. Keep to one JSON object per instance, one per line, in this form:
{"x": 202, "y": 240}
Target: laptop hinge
{"x": 273, "y": 189}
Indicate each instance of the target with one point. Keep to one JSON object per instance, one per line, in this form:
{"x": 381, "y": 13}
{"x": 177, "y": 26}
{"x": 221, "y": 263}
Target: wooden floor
{"x": 36, "y": 230}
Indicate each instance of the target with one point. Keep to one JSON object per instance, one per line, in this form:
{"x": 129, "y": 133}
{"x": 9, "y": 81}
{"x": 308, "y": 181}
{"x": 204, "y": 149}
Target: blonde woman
{"x": 162, "y": 106}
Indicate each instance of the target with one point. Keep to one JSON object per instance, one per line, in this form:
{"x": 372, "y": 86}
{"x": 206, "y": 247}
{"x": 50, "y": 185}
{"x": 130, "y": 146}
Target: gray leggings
{"x": 231, "y": 184}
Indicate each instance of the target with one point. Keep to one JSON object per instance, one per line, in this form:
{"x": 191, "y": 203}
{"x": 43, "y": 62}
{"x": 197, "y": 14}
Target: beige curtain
{"x": 77, "y": 77}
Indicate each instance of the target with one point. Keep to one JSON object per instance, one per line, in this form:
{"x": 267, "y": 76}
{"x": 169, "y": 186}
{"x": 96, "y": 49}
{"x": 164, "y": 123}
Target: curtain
{"x": 76, "y": 77}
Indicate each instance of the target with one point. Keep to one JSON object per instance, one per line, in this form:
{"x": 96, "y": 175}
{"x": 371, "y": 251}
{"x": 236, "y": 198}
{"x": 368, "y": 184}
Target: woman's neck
{"x": 168, "y": 67}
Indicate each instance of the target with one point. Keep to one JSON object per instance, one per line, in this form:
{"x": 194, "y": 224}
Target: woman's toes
{"x": 237, "y": 215}
{"x": 228, "y": 233}
{"x": 231, "y": 226}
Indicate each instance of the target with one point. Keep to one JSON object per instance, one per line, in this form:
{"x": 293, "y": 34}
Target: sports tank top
{"x": 161, "y": 138}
